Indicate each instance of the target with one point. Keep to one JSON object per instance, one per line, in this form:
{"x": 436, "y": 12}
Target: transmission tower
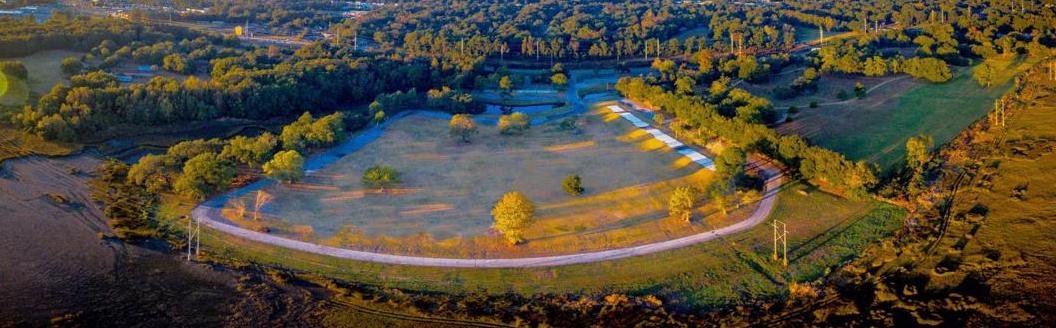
{"x": 194, "y": 237}
{"x": 782, "y": 235}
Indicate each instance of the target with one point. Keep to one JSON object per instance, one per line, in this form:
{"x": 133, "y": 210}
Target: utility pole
{"x": 822, "y": 31}
{"x": 194, "y": 237}
{"x": 781, "y": 235}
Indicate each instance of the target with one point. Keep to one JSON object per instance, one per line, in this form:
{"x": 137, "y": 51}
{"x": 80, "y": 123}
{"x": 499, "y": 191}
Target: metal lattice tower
{"x": 782, "y": 235}
{"x": 194, "y": 237}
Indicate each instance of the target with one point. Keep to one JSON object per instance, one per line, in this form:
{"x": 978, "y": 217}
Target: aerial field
{"x": 442, "y": 205}
{"x": 731, "y": 270}
{"x": 876, "y": 128}
{"x": 44, "y": 68}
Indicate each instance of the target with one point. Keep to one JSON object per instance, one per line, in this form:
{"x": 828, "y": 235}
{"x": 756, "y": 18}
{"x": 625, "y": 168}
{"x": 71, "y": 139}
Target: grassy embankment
{"x": 982, "y": 253}
{"x": 877, "y": 131}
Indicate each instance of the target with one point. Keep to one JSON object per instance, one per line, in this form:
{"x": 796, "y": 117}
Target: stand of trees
{"x": 708, "y": 119}
{"x": 239, "y": 88}
{"x": 198, "y": 168}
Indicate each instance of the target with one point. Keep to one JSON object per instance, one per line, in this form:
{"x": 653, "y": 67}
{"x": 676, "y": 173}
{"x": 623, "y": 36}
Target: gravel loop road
{"x": 210, "y": 216}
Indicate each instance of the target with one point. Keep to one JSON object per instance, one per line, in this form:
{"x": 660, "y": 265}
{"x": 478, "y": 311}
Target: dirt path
{"x": 210, "y": 216}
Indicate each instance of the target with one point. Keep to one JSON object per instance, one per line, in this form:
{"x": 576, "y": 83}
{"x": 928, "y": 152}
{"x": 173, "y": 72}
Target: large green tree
{"x": 204, "y": 174}
{"x": 286, "y": 166}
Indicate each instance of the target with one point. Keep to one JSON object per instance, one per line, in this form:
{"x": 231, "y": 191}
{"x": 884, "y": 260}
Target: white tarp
{"x": 698, "y": 158}
{"x": 635, "y": 120}
{"x": 666, "y": 139}
{"x": 693, "y": 155}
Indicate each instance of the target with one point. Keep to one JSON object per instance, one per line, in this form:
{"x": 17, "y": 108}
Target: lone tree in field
{"x": 381, "y": 177}
{"x": 681, "y": 203}
{"x": 286, "y": 166}
{"x": 918, "y": 154}
{"x": 984, "y": 74}
{"x": 462, "y": 126}
{"x": 573, "y": 185}
{"x": 514, "y": 213}
{"x": 515, "y": 123}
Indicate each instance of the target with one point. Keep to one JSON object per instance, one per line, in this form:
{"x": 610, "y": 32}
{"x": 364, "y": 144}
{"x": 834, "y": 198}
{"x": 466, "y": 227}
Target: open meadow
{"x": 876, "y": 128}
{"x": 442, "y": 204}
{"x": 44, "y": 69}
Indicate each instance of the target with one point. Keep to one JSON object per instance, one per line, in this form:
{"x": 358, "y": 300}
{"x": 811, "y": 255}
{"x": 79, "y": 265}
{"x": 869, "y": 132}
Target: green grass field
{"x": 876, "y": 128}
{"x": 44, "y": 68}
{"x": 986, "y": 255}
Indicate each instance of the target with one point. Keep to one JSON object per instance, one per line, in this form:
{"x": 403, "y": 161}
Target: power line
{"x": 194, "y": 236}
{"x": 781, "y": 235}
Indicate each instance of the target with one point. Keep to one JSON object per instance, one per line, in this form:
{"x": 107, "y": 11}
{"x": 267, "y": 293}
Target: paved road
{"x": 210, "y": 215}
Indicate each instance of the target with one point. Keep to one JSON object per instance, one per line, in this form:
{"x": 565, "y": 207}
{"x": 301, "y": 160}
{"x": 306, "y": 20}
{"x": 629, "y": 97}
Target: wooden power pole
{"x": 194, "y": 237}
{"x": 781, "y": 235}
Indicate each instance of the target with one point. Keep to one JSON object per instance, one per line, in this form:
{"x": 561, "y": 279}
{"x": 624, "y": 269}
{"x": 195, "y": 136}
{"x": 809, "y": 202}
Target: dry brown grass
{"x": 442, "y": 206}
{"x": 15, "y": 143}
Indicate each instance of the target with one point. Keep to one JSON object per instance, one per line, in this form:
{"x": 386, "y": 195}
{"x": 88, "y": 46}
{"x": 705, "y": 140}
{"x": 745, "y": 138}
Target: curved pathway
{"x": 209, "y": 215}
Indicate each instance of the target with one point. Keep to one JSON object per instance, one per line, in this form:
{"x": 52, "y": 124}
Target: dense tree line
{"x": 24, "y": 36}
{"x": 551, "y": 29}
{"x": 313, "y": 79}
{"x": 711, "y": 117}
{"x": 200, "y": 167}
{"x": 280, "y": 16}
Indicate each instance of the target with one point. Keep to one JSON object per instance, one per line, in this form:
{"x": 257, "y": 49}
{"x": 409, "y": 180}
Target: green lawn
{"x": 877, "y": 131}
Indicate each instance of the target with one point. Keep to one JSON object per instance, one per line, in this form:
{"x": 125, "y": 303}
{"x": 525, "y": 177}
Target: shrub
{"x": 514, "y": 123}
{"x": 559, "y": 80}
{"x": 573, "y": 185}
{"x": 381, "y": 176}
{"x": 681, "y": 203}
{"x": 71, "y": 66}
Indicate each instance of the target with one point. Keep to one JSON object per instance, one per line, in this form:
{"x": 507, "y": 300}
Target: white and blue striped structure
{"x": 671, "y": 142}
